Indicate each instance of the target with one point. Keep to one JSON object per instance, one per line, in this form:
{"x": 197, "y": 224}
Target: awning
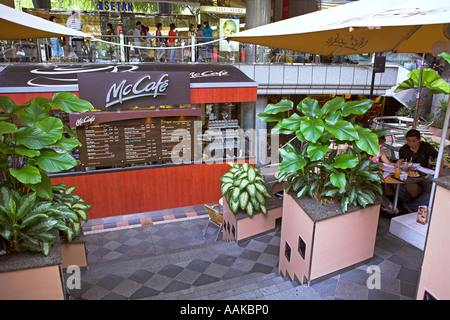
{"x": 15, "y": 24}
{"x": 208, "y": 83}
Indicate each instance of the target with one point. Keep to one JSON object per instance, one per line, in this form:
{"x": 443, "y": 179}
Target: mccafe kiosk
{"x": 159, "y": 136}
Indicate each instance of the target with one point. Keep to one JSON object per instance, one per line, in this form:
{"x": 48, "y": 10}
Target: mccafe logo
{"x": 209, "y": 73}
{"x": 85, "y": 121}
{"x": 143, "y": 87}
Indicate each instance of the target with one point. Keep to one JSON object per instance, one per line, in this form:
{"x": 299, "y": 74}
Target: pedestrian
{"x": 159, "y": 42}
{"x": 191, "y": 33}
{"x": 207, "y": 33}
{"x": 172, "y": 34}
{"x": 137, "y": 37}
{"x": 109, "y": 32}
{"x": 75, "y": 22}
{"x": 200, "y": 39}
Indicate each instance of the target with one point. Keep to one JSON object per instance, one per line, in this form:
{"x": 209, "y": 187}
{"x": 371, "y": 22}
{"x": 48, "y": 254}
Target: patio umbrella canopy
{"x": 15, "y": 24}
{"x": 360, "y": 27}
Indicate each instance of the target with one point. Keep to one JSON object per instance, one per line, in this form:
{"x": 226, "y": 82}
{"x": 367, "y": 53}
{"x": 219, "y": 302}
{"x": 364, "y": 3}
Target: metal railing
{"x": 127, "y": 49}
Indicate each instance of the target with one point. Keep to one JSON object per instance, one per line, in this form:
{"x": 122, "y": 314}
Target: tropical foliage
{"x": 332, "y": 161}
{"x": 32, "y": 144}
{"x": 243, "y": 188}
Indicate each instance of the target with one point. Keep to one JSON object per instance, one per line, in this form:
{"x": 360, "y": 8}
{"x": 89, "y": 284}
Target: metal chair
{"x": 215, "y": 217}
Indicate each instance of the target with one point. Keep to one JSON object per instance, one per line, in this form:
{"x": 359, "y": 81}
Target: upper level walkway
{"x": 276, "y": 71}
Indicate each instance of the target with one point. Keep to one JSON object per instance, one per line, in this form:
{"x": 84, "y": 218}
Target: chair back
{"x": 215, "y": 216}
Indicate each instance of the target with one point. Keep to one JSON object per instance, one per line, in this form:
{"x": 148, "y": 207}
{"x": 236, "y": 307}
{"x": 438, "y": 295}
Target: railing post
{"x": 193, "y": 48}
{"x": 122, "y": 47}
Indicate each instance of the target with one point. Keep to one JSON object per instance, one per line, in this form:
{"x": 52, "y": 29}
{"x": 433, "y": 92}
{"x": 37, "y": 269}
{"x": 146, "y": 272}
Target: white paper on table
{"x": 387, "y": 168}
{"x": 425, "y": 170}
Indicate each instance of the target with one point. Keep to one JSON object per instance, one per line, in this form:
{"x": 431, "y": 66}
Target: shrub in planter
{"x": 26, "y": 223}
{"x": 243, "y": 188}
{"x": 72, "y": 209}
{"x": 33, "y": 143}
{"x": 331, "y": 161}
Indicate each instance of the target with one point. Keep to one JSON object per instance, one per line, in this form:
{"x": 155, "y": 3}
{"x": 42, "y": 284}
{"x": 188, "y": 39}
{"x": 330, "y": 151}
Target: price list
{"x": 135, "y": 141}
{"x": 174, "y": 132}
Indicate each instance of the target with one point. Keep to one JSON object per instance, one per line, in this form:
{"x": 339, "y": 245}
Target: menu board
{"x": 135, "y": 141}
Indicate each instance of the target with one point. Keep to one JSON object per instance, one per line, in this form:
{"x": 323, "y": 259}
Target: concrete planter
{"x": 74, "y": 253}
{"x": 438, "y": 132}
{"x": 32, "y": 276}
{"x": 317, "y": 240}
{"x": 240, "y": 226}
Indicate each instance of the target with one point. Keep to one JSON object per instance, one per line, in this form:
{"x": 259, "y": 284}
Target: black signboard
{"x": 130, "y": 89}
{"x": 136, "y": 141}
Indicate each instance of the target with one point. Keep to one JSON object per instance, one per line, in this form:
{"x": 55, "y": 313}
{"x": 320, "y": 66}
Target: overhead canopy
{"x": 359, "y": 27}
{"x": 15, "y": 24}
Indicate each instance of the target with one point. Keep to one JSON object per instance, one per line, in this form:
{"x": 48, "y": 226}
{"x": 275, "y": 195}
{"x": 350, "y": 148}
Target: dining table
{"x": 405, "y": 178}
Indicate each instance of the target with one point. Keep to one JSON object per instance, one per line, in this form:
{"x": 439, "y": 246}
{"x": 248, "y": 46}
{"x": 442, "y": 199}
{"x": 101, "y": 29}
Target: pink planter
{"x": 240, "y": 226}
{"x": 318, "y": 240}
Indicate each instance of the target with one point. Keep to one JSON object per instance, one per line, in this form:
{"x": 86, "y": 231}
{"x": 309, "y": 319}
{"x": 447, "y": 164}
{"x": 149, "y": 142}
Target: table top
{"x": 392, "y": 180}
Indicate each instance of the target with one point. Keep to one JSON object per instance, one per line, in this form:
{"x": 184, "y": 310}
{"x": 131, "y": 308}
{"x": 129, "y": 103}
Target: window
{"x": 301, "y": 247}
{"x": 287, "y": 252}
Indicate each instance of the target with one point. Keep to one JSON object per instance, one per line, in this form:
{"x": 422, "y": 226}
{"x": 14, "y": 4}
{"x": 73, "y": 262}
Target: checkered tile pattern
{"x": 172, "y": 260}
{"x": 142, "y": 262}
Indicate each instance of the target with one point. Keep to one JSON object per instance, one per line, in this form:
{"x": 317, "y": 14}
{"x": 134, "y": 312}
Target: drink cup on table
{"x": 397, "y": 172}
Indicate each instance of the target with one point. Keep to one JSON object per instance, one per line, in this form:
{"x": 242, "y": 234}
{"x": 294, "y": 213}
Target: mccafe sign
{"x": 130, "y": 89}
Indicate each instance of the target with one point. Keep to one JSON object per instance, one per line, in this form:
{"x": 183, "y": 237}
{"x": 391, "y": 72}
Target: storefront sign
{"x": 223, "y": 10}
{"x": 119, "y": 6}
{"x": 106, "y": 90}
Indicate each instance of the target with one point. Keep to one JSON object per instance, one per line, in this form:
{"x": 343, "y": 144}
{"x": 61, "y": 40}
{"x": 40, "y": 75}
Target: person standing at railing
{"x": 137, "y": 37}
{"x": 207, "y": 33}
{"x": 159, "y": 42}
{"x": 200, "y": 49}
{"x": 191, "y": 33}
{"x": 74, "y": 22}
{"x": 109, "y": 31}
{"x": 172, "y": 34}
{"x": 56, "y": 49}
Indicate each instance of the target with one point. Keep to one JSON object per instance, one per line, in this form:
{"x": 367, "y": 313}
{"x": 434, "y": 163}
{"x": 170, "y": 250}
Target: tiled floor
{"x": 163, "y": 259}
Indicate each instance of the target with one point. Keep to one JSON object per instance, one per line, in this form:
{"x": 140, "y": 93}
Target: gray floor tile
{"x": 114, "y": 254}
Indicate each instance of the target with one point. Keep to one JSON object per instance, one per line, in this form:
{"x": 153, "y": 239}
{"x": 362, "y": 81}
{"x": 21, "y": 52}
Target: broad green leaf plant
{"x": 243, "y": 188}
{"x": 332, "y": 161}
{"x": 34, "y": 143}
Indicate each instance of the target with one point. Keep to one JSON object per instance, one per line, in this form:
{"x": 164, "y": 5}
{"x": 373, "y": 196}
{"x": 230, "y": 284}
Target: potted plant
{"x": 33, "y": 143}
{"x": 249, "y": 207}
{"x": 425, "y": 78}
{"x": 72, "y": 214}
{"x": 243, "y": 187}
{"x": 329, "y": 174}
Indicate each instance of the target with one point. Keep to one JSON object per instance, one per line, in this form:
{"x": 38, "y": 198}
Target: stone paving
{"x": 173, "y": 260}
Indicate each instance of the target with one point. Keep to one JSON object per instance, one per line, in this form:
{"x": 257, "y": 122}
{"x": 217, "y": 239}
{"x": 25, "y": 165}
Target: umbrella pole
{"x": 439, "y": 158}
{"x": 419, "y": 96}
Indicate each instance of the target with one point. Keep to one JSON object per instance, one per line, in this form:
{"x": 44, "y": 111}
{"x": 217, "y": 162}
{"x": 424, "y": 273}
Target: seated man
{"x": 416, "y": 151}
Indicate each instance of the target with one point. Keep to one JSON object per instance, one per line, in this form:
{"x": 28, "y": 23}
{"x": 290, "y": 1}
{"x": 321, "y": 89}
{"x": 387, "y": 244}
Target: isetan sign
{"x": 130, "y": 89}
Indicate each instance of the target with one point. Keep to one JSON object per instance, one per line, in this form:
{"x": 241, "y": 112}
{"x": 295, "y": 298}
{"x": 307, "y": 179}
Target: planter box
{"x": 32, "y": 276}
{"x": 240, "y": 226}
{"x": 74, "y": 253}
{"x": 317, "y": 240}
{"x": 435, "y": 277}
{"x": 438, "y": 132}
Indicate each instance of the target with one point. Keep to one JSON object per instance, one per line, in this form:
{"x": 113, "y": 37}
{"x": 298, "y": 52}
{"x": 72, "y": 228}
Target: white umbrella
{"x": 15, "y": 24}
{"x": 359, "y": 27}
